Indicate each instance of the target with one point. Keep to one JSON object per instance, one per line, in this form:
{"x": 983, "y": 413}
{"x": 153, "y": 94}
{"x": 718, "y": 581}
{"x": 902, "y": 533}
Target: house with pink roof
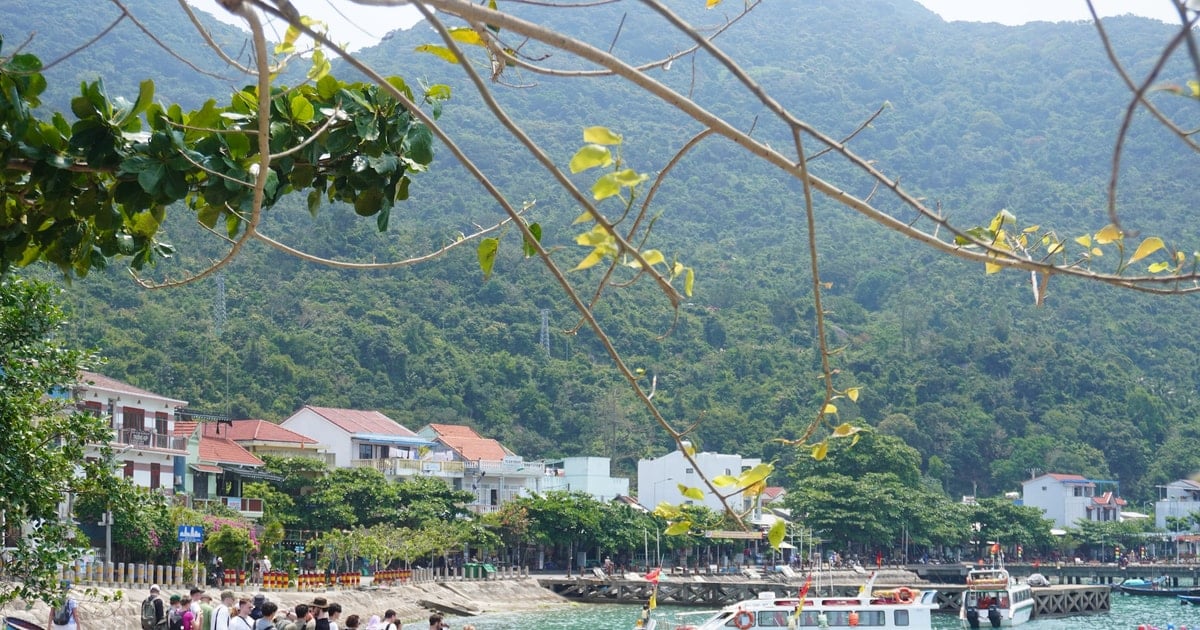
{"x": 492, "y": 472}
{"x": 144, "y": 443}
{"x": 1068, "y": 498}
{"x": 218, "y": 468}
{"x": 357, "y": 438}
{"x": 261, "y": 437}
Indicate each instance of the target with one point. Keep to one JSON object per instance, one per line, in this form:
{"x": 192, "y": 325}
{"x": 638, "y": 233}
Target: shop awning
{"x": 206, "y": 468}
{"x": 392, "y": 440}
{"x": 251, "y": 473}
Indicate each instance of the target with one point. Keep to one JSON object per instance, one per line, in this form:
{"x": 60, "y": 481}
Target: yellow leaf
{"x": 820, "y": 450}
{"x": 711, "y": 3}
{"x": 667, "y": 511}
{"x": 689, "y": 448}
{"x": 1032, "y": 228}
{"x": 678, "y": 528}
{"x": 583, "y": 218}
{"x": 1159, "y": 266}
{"x": 992, "y": 268}
{"x": 594, "y": 237}
{"x": 1108, "y": 234}
{"x": 590, "y": 260}
{"x": 688, "y": 281}
{"x": 601, "y": 135}
{"x": 852, "y": 393}
{"x": 754, "y": 475}
{"x": 1096, "y": 251}
{"x": 722, "y": 481}
{"x": 830, "y": 408}
{"x": 1084, "y": 240}
{"x": 1054, "y": 247}
{"x": 590, "y": 156}
{"x": 691, "y": 493}
{"x": 466, "y": 35}
{"x": 439, "y": 51}
{"x": 777, "y": 532}
{"x": 845, "y": 429}
{"x": 1148, "y": 246}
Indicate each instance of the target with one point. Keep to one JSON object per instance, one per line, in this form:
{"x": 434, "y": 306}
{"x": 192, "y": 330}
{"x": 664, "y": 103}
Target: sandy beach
{"x": 116, "y": 609}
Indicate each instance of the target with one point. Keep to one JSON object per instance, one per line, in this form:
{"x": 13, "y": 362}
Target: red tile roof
{"x": 770, "y": 493}
{"x": 1108, "y": 499}
{"x": 223, "y": 450}
{"x": 103, "y": 382}
{"x": 184, "y": 428}
{"x": 258, "y": 430}
{"x": 357, "y": 421}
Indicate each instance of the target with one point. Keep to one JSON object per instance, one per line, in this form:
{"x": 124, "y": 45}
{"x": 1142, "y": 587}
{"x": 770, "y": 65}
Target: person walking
{"x": 65, "y": 617}
{"x": 154, "y": 611}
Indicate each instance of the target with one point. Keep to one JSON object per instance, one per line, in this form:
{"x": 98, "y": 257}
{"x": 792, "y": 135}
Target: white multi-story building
{"x": 590, "y": 475}
{"x": 659, "y": 479}
{"x": 1066, "y": 499}
{"x": 1180, "y": 499}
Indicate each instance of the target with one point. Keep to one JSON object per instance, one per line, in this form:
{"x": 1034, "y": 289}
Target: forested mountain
{"x": 963, "y": 366}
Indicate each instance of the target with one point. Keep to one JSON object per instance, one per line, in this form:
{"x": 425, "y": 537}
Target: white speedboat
{"x": 994, "y": 598}
{"x": 902, "y": 607}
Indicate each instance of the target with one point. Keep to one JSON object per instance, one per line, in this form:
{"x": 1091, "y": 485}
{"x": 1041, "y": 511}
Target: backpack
{"x": 62, "y": 616}
{"x": 175, "y": 619}
{"x": 149, "y": 617}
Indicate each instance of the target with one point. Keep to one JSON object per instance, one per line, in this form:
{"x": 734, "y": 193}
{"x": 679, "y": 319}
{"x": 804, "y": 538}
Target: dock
{"x": 1060, "y": 600}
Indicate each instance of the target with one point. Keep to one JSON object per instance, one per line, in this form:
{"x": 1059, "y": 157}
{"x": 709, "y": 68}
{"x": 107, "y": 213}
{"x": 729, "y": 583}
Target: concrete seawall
{"x": 122, "y": 611}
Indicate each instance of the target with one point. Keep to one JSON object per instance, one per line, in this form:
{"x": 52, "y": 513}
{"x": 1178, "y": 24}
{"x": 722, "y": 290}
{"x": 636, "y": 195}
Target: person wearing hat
{"x": 320, "y": 611}
{"x": 154, "y": 611}
{"x": 67, "y": 616}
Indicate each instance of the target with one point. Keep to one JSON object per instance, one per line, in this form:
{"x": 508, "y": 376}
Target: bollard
{"x": 158, "y": 574}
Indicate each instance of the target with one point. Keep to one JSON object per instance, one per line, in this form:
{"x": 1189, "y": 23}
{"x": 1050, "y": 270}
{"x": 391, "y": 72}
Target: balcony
{"x": 149, "y": 439}
{"x": 400, "y": 467}
{"x": 248, "y": 507}
{"x": 521, "y": 469}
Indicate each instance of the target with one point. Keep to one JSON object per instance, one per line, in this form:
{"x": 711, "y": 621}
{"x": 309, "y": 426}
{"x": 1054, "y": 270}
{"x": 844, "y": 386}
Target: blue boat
{"x": 1189, "y": 599}
{"x": 13, "y": 623}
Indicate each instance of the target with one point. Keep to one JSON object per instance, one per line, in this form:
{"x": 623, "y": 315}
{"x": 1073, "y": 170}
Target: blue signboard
{"x": 191, "y": 533}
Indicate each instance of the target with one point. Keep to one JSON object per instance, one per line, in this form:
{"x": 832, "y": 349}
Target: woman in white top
{"x": 69, "y": 608}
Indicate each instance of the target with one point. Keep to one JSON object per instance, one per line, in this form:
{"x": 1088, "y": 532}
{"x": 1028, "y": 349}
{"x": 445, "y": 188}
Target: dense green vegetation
{"x": 961, "y": 366}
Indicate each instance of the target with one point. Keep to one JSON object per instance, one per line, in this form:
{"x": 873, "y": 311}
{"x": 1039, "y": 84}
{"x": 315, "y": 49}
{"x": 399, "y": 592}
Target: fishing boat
{"x": 1157, "y": 587}
{"x": 902, "y": 607}
{"x": 995, "y": 598}
{"x": 1189, "y": 599}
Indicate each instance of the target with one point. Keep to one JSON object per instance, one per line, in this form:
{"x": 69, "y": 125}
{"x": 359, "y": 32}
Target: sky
{"x": 363, "y": 26}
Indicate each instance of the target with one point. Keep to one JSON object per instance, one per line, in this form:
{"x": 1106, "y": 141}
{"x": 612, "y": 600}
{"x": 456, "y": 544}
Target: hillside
{"x": 961, "y": 365}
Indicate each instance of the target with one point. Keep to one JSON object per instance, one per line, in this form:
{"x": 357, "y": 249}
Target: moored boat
{"x": 902, "y": 607}
{"x": 14, "y": 623}
{"x": 1157, "y": 587}
{"x": 996, "y": 599}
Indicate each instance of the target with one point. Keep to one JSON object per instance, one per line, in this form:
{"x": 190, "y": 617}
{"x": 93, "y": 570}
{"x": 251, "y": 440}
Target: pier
{"x": 1058, "y": 600}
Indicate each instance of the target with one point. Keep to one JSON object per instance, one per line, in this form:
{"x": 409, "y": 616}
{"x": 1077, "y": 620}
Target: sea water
{"x": 1128, "y": 612}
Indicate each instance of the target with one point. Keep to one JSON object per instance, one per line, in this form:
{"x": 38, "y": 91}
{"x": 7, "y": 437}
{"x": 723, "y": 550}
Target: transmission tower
{"x": 544, "y": 340}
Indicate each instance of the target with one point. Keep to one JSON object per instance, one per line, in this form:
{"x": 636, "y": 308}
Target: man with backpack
{"x": 154, "y": 611}
{"x": 65, "y": 617}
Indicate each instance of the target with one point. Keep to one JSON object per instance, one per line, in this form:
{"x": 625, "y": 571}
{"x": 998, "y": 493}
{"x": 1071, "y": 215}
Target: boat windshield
{"x": 986, "y": 599}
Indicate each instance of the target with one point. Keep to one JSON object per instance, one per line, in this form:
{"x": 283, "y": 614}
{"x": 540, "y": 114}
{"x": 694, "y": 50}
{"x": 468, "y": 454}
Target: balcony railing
{"x": 527, "y": 469}
{"x": 246, "y": 506}
{"x": 149, "y": 439}
{"x": 399, "y": 467}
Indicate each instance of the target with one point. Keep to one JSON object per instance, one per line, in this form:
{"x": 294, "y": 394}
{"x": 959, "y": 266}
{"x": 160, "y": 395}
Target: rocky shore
{"x": 114, "y": 609}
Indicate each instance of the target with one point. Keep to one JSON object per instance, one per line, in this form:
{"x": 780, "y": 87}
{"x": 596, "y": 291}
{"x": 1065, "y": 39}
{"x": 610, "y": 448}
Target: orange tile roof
{"x": 476, "y": 448}
{"x": 112, "y": 384}
{"x": 1108, "y": 499}
{"x": 260, "y": 430}
{"x": 358, "y": 421}
{"x": 456, "y": 430}
{"x": 223, "y": 450}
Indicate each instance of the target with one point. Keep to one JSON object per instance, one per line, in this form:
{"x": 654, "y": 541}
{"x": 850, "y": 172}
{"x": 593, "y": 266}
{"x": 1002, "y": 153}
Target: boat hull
{"x": 1158, "y": 591}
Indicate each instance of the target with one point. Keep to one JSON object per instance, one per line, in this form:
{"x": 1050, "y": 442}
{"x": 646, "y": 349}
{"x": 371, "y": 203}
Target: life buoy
{"x": 905, "y": 595}
{"x": 743, "y": 619}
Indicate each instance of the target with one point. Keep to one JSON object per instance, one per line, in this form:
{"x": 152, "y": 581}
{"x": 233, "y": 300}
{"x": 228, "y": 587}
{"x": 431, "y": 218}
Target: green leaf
{"x": 691, "y": 493}
{"x": 678, "y": 528}
{"x": 438, "y": 51}
{"x": 536, "y": 230}
{"x": 590, "y": 156}
{"x": 601, "y": 135}
{"x": 302, "y": 109}
{"x": 776, "y": 533}
{"x": 419, "y": 144}
{"x": 486, "y": 252}
{"x": 1147, "y": 247}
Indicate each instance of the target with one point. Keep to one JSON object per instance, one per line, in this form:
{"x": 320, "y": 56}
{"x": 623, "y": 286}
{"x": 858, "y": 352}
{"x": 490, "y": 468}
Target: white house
{"x": 143, "y": 442}
{"x": 362, "y": 438}
{"x": 590, "y": 475}
{"x": 659, "y": 479}
{"x": 487, "y": 468}
{"x": 1179, "y": 499}
{"x": 1066, "y": 499}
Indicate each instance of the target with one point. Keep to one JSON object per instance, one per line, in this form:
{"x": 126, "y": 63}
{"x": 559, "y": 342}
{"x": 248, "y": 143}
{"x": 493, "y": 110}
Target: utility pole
{"x": 106, "y": 521}
{"x": 544, "y": 339}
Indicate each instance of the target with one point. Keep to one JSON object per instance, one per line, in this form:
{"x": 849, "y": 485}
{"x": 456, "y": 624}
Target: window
{"x": 688, "y": 471}
{"x": 495, "y": 496}
{"x": 901, "y": 618}
{"x": 134, "y": 419}
{"x": 161, "y": 426}
{"x": 128, "y": 472}
{"x": 155, "y": 475}
{"x": 773, "y": 619}
{"x": 365, "y": 451}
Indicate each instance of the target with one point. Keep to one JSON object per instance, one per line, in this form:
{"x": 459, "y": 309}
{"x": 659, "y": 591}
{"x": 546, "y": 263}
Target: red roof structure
{"x": 223, "y": 450}
{"x": 358, "y": 421}
{"x": 101, "y": 381}
{"x": 469, "y": 445}
{"x": 259, "y": 431}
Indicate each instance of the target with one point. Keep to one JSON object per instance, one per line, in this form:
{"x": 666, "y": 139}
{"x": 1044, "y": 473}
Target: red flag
{"x": 652, "y": 575}
{"x": 804, "y": 589}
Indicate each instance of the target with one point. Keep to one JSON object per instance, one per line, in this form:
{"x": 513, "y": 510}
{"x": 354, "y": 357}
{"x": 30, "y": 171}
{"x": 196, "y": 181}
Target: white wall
{"x": 659, "y": 479}
{"x": 311, "y": 424}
